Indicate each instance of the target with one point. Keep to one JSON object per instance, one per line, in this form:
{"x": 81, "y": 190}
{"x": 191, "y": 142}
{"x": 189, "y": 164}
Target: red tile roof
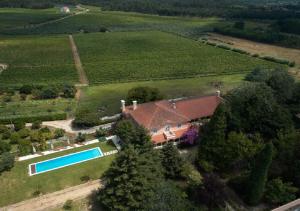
{"x": 156, "y": 115}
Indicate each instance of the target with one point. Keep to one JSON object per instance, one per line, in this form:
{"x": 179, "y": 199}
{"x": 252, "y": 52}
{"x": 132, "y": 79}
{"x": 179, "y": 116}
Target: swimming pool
{"x": 63, "y": 161}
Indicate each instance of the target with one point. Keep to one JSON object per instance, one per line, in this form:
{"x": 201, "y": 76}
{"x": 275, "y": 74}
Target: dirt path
{"x": 55, "y": 199}
{"x": 262, "y": 49}
{"x": 82, "y": 76}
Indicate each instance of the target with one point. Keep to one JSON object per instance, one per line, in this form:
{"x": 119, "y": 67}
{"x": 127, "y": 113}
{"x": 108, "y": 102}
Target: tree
{"x": 283, "y": 84}
{"x": 213, "y": 140}
{"x": 212, "y": 192}
{"x": 238, "y": 147}
{"x": 69, "y": 91}
{"x": 4, "y": 146}
{"x": 168, "y": 197}
{"x": 278, "y": 192}
{"x": 144, "y": 94}
{"x": 254, "y": 109}
{"x": 133, "y": 134}
{"x": 171, "y": 161}
{"x": 25, "y": 89}
{"x": 130, "y": 181}
{"x": 239, "y": 25}
{"x": 80, "y": 137}
{"x": 24, "y": 147}
{"x": 101, "y": 133}
{"x": 258, "y": 175}
{"x": 6, "y": 161}
{"x": 19, "y": 125}
{"x": 258, "y": 75}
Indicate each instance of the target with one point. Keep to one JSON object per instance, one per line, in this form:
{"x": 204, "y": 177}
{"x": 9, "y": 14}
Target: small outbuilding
{"x": 65, "y": 9}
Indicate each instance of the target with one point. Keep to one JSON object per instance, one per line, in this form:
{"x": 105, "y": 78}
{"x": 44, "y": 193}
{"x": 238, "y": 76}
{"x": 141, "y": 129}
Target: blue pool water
{"x": 67, "y": 160}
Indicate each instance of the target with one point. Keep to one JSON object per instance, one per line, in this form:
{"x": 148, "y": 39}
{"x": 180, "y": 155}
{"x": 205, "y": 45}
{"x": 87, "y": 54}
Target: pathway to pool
{"x": 56, "y": 199}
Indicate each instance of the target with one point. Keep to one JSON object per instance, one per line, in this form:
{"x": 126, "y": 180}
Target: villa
{"x": 170, "y": 120}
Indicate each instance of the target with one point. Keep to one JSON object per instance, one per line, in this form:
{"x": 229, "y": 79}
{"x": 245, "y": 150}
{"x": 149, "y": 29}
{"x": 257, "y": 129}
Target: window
{"x": 179, "y": 125}
{"x": 154, "y": 130}
{"x": 167, "y": 128}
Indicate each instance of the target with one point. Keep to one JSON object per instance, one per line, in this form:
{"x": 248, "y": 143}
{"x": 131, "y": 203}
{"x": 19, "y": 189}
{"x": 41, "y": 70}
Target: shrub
{"x": 3, "y": 129}
{"x": 255, "y": 55}
{"x": 85, "y": 178}
{"x": 19, "y": 125}
{"x": 272, "y": 59}
{"x": 80, "y": 138}
{"x": 6, "y": 134}
{"x": 59, "y": 133}
{"x": 224, "y": 47}
{"x": 240, "y": 51}
{"x": 26, "y": 89}
{"x": 23, "y": 97}
{"x": 36, "y": 125}
{"x": 47, "y": 93}
{"x": 211, "y": 43}
{"x": 6, "y": 161}
{"x": 69, "y": 91}
{"x": 68, "y": 205}
{"x": 103, "y": 29}
{"x": 4, "y": 147}
{"x": 292, "y": 64}
{"x": 144, "y": 94}
{"x": 7, "y": 98}
{"x": 278, "y": 192}
{"x": 100, "y": 133}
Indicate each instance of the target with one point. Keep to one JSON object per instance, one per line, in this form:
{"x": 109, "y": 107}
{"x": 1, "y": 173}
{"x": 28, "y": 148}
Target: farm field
{"x": 19, "y": 18}
{"x": 36, "y": 109}
{"x": 16, "y": 185}
{"x": 133, "y": 56}
{"x": 104, "y": 100}
{"x": 119, "y": 21}
{"x": 37, "y": 60}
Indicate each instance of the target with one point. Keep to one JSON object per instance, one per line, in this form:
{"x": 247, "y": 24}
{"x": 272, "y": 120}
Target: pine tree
{"x": 258, "y": 175}
{"x": 171, "y": 161}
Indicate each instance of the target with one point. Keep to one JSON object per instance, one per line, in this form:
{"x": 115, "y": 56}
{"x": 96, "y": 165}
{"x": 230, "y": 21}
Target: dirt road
{"x": 53, "y": 200}
{"x": 82, "y": 76}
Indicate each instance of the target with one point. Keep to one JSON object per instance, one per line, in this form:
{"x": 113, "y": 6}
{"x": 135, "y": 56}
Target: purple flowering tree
{"x": 191, "y": 136}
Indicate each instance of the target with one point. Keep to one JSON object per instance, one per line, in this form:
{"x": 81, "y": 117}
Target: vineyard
{"x": 37, "y": 60}
{"x": 150, "y": 55}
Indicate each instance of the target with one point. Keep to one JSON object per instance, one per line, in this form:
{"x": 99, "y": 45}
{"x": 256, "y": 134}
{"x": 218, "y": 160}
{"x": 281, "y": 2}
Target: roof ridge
{"x": 172, "y": 111}
{"x": 152, "y": 117}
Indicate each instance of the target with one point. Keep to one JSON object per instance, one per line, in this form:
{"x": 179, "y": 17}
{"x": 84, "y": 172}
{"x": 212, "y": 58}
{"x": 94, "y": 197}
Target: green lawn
{"x": 99, "y": 101}
{"x": 16, "y": 185}
{"x": 36, "y": 108}
{"x": 37, "y": 60}
{"x": 133, "y": 56}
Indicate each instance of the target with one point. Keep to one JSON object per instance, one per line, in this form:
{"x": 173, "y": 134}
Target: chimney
{"x": 134, "y": 103}
{"x": 218, "y": 92}
{"x": 123, "y": 105}
{"x": 174, "y": 105}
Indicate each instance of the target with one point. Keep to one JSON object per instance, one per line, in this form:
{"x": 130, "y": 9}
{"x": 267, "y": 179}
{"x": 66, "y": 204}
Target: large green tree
{"x": 144, "y": 94}
{"x": 259, "y": 174}
{"x": 131, "y": 180}
{"x": 255, "y": 110}
{"x": 171, "y": 161}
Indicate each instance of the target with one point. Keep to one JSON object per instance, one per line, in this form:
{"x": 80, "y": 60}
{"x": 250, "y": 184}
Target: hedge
{"x": 28, "y": 119}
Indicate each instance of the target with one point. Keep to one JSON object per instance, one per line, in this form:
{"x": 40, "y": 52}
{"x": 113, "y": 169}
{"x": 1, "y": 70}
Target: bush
{"x": 47, "y": 93}
{"x": 85, "y": 178}
{"x": 272, "y": 59}
{"x": 224, "y": 47}
{"x": 144, "y": 94}
{"x": 278, "y": 192}
{"x": 59, "y": 133}
{"x": 4, "y": 147}
{"x": 19, "y": 125}
{"x": 292, "y": 64}
{"x": 68, "y": 205}
{"x": 100, "y": 133}
{"x": 240, "y": 51}
{"x": 3, "y": 129}
{"x": 80, "y": 138}
{"x": 26, "y": 89}
{"x": 69, "y": 91}
{"x": 7, "y": 161}
{"x": 36, "y": 125}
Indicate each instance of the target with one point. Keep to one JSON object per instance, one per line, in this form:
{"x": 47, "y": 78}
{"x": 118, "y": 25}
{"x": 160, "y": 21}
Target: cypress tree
{"x": 171, "y": 161}
{"x": 259, "y": 174}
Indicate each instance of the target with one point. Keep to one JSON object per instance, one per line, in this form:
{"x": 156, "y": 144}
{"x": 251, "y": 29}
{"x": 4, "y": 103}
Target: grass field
{"x": 35, "y": 108}
{"x": 99, "y": 101}
{"x": 37, "y": 60}
{"x": 132, "y": 56}
{"x": 16, "y": 185}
